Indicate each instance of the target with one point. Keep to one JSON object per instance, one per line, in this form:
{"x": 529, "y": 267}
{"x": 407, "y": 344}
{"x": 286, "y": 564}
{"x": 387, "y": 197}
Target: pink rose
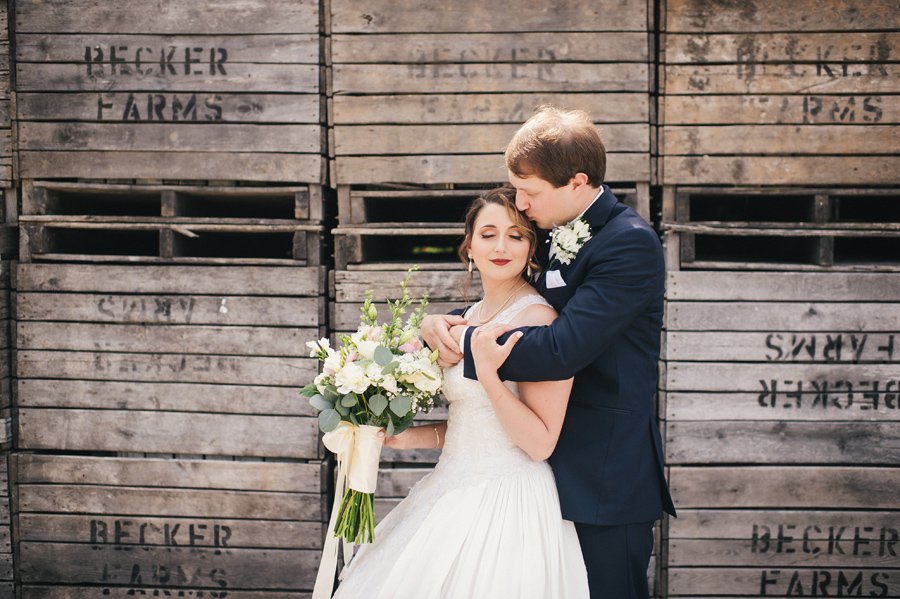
{"x": 413, "y": 345}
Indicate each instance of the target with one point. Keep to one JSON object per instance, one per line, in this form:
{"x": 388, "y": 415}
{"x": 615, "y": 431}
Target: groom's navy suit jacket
{"x": 608, "y": 462}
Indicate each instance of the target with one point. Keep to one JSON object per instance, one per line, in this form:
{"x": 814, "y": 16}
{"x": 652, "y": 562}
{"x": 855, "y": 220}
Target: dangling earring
{"x": 528, "y": 271}
{"x": 470, "y": 262}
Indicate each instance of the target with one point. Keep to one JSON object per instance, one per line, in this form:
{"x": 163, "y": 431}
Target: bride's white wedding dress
{"x": 485, "y": 524}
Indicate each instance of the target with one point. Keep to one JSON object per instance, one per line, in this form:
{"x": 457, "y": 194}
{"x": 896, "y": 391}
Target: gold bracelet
{"x": 437, "y": 436}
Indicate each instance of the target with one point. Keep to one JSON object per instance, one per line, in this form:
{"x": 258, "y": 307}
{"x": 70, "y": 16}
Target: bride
{"x": 486, "y": 522}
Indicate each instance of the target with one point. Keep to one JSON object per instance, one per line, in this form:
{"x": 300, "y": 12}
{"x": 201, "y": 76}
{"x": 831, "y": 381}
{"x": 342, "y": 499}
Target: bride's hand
{"x": 435, "y": 330}
{"x": 487, "y": 353}
{"x": 401, "y": 441}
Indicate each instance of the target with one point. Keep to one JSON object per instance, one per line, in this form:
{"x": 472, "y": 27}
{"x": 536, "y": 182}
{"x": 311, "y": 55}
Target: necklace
{"x": 503, "y": 305}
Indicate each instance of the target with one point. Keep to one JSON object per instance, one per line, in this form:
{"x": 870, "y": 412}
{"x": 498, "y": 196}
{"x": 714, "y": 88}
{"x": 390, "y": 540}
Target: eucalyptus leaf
{"x": 362, "y": 363}
{"x": 349, "y": 400}
{"x": 388, "y": 430}
{"x": 400, "y": 405}
{"x": 383, "y": 356}
{"x": 390, "y": 367}
{"x": 319, "y": 402}
{"x": 342, "y": 410}
{"x": 310, "y": 390}
{"x": 331, "y": 393}
{"x": 328, "y": 420}
{"x": 377, "y": 404}
{"x": 353, "y": 419}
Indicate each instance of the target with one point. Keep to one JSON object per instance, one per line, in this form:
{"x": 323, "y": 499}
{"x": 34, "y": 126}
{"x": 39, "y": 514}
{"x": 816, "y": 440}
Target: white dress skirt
{"x": 485, "y": 523}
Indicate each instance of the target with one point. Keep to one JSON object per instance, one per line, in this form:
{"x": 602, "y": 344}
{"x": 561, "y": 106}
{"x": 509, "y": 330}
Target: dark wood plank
{"x": 171, "y": 397}
{"x": 172, "y": 279}
{"x": 780, "y": 170}
{"x": 485, "y": 108}
{"x": 217, "y": 17}
{"x": 169, "y": 309}
{"x": 255, "y": 475}
{"x": 462, "y": 48}
{"x": 112, "y": 106}
{"x": 489, "y": 77}
{"x": 708, "y": 16}
{"x": 750, "y": 109}
{"x": 164, "y": 432}
{"x": 394, "y": 16}
{"x": 159, "y": 137}
{"x": 175, "y": 368}
{"x": 773, "y": 286}
{"x": 780, "y": 487}
{"x": 276, "y": 167}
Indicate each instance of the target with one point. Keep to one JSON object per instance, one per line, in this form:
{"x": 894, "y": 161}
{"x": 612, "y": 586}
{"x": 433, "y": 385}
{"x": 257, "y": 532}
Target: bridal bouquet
{"x": 379, "y": 379}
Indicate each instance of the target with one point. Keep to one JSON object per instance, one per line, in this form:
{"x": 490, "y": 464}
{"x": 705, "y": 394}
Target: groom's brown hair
{"x": 555, "y": 144}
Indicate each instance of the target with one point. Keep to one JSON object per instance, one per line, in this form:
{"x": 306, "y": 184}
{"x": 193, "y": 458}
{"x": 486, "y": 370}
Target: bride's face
{"x": 499, "y": 249}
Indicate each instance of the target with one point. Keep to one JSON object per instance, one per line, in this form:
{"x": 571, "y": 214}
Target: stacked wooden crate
{"x": 7, "y": 572}
{"x": 780, "y": 390}
{"x": 171, "y": 270}
{"x": 159, "y": 399}
{"x": 6, "y": 133}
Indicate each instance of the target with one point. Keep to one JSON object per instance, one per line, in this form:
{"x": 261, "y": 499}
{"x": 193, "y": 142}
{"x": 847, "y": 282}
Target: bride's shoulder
{"x": 537, "y": 313}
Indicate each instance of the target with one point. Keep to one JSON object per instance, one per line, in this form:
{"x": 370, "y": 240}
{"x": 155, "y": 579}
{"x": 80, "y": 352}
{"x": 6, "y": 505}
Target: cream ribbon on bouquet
{"x": 358, "y": 451}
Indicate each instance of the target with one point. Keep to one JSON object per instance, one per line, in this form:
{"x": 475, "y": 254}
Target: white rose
{"x": 366, "y": 349}
{"x": 333, "y": 362}
{"x": 351, "y": 379}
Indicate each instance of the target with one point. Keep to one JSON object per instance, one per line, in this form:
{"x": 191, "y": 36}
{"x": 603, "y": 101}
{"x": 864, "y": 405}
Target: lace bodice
{"x": 476, "y": 446}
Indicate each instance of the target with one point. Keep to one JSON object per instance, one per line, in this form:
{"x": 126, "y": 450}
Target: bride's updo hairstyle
{"x": 502, "y": 196}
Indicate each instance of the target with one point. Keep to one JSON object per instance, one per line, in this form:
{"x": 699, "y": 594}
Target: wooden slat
{"x": 351, "y": 286}
{"x": 228, "y": 108}
{"x": 171, "y": 279}
{"x": 741, "y": 442}
{"x": 158, "y": 137}
{"x": 802, "y": 287}
{"x": 395, "y": 16}
{"x": 464, "y": 48}
{"x": 284, "y": 78}
{"x": 126, "y": 592}
{"x": 789, "y": 403}
{"x": 176, "y": 165}
{"x": 193, "y": 339}
{"x": 751, "y": 109}
{"x": 346, "y": 317}
{"x": 724, "y": 376}
{"x": 781, "y": 170}
{"x": 858, "y": 78}
{"x": 176, "y": 368}
{"x": 169, "y": 309}
{"x": 175, "y": 432}
{"x": 268, "y": 49}
{"x": 209, "y": 568}
{"x": 274, "y": 476}
{"x": 760, "y": 582}
{"x": 189, "y": 503}
{"x": 398, "y": 481}
{"x": 56, "y": 528}
{"x": 783, "y": 316}
{"x": 487, "y": 168}
{"x": 217, "y": 17}
{"x": 745, "y": 553}
{"x": 780, "y": 139}
{"x": 372, "y": 140}
{"x": 171, "y": 397}
{"x": 795, "y": 527}
{"x": 781, "y": 346}
{"x": 795, "y": 47}
{"x": 779, "y": 487}
{"x": 513, "y": 108}
{"x": 489, "y": 77}
{"x": 707, "y": 16}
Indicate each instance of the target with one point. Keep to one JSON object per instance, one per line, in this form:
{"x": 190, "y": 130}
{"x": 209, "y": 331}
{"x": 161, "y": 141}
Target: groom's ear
{"x": 578, "y": 181}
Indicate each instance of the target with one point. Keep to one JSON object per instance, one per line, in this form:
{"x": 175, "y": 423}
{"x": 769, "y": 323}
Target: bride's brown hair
{"x": 502, "y": 196}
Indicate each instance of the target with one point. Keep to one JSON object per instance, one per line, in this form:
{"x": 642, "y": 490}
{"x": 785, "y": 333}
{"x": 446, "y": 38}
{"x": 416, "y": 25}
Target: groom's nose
{"x": 521, "y": 204}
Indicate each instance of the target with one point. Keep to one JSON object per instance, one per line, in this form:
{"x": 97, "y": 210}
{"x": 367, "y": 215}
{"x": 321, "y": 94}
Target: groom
{"x": 608, "y": 462}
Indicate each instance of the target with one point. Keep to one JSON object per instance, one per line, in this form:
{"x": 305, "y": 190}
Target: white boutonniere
{"x": 567, "y": 240}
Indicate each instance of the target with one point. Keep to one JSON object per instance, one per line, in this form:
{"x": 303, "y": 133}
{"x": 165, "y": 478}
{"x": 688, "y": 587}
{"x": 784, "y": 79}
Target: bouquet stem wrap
{"x": 358, "y": 451}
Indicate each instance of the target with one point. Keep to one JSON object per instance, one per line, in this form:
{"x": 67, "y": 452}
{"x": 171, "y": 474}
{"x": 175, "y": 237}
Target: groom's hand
{"x": 435, "y": 332}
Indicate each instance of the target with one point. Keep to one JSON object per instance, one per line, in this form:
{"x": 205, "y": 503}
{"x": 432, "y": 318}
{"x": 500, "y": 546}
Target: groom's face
{"x": 541, "y": 202}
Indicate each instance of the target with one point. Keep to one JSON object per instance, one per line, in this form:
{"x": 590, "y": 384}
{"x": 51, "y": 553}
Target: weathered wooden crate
{"x": 428, "y": 95}
{"x": 6, "y": 133}
{"x": 753, "y": 228}
{"x": 168, "y": 359}
{"x": 106, "y": 526}
{"x": 764, "y": 92}
{"x": 781, "y": 397}
{"x": 214, "y": 91}
{"x": 7, "y": 563}
{"x": 167, "y": 223}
